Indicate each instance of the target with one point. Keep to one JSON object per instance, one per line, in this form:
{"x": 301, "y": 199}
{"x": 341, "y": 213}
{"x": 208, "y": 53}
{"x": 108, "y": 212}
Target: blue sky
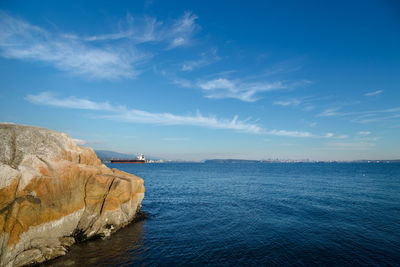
{"x": 196, "y": 80}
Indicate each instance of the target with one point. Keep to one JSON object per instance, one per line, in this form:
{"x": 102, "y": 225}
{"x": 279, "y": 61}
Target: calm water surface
{"x": 257, "y": 214}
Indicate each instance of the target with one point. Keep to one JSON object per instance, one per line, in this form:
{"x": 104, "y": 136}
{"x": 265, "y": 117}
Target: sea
{"x": 256, "y": 214}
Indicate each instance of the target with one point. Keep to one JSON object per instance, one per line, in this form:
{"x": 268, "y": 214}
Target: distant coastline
{"x": 298, "y": 161}
{"x": 106, "y": 155}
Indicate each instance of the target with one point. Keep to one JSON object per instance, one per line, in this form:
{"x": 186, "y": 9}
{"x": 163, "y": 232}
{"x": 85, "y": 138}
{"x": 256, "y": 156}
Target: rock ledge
{"x": 53, "y": 191}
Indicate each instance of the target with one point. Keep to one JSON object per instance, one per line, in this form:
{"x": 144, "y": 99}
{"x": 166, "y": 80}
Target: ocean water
{"x": 336, "y": 214}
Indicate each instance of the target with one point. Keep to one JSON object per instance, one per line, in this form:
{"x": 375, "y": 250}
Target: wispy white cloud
{"x": 305, "y": 103}
{"x": 182, "y": 30}
{"x": 225, "y": 88}
{"x": 365, "y": 116}
{"x": 48, "y": 99}
{"x": 190, "y": 65}
{"x": 376, "y": 118}
{"x": 289, "y": 102}
{"x": 181, "y": 82}
{"x": 93, "y": 56}
{"x": 290, "y": 133}
{"x": 206, "y": 58}
{"x": 334, "y": 136}
{"x": 136, "y": 30}
{"x": 335, "y": 112}
{"x": 129, "y": 115}
{"x": 304, "y": 134}
{"x": 377, "y": 92}
{"x": 364, "y": 133}
{"x": 248, "y": 88}
{"x": 217, "y": 83}
{"x": 330, "y": 112}
{"x": 178, "y": 33}
{"x": 21, "y": 40}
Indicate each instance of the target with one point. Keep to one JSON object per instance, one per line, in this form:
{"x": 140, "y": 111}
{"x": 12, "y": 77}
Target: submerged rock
{"x": 53, "y": 191}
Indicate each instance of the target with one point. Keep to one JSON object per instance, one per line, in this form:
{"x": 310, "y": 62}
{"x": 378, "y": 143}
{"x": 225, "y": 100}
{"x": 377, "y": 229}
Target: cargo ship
{"x": 139, "y": 159}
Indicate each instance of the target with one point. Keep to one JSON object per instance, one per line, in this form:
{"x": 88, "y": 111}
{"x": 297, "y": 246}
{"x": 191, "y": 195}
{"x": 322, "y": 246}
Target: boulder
{"x": 53, "y": 192}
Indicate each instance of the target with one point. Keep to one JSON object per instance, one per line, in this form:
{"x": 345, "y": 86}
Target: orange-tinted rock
{"x": 50, "y": 189}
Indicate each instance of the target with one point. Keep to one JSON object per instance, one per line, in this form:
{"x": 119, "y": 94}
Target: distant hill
{"x": 106, "y": 155}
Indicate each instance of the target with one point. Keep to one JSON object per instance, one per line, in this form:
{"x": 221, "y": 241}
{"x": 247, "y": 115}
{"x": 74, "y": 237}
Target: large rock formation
{"x": 53, "y": 192}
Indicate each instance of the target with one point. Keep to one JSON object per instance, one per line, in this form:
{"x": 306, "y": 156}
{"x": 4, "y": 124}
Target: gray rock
{"x": 53, "y": 191}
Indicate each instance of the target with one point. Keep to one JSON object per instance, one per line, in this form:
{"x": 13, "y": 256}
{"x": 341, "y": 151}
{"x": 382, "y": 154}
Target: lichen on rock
{"x": 51, "y": 189}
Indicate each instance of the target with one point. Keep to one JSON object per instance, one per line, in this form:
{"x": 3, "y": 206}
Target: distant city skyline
{"x": 177, "y": 80}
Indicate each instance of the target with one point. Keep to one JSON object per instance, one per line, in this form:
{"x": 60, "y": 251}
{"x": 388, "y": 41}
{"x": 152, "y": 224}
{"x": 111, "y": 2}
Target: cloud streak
{"x": 48, "y": 99}
{"x": 334, "y": 112}
{"x": 290, "y": 133}
{"x": 290, "y": 102}
{"x": 225, "y": 88}
{"x": 129, "y": 115}
{"x": 139, "y": 116}
{"x": 364, "y": 117}
{"x": 374, "y": 93}
{"x": 121, "y": 113}
{"x": 137, "y": 31}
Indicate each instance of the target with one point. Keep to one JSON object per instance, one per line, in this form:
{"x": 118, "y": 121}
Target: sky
{"x": 194, "y": 80}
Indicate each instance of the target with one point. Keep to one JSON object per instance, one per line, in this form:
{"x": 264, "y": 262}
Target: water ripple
{"x": 257, "y": 214}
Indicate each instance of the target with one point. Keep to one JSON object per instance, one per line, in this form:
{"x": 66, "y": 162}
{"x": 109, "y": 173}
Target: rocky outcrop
{"x": 53, "y": 192}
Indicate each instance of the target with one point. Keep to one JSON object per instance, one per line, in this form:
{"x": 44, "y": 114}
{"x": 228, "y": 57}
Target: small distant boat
{"x": 139, "y": 159}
